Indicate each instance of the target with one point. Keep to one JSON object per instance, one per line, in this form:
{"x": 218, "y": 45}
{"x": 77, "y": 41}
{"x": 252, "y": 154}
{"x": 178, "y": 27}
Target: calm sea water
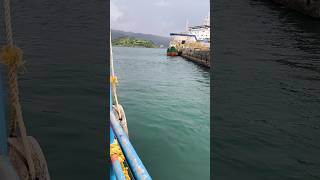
{"x": 63, "y": 92}
{"x": 166, "y": 101}
{"x": 266, "y": 92}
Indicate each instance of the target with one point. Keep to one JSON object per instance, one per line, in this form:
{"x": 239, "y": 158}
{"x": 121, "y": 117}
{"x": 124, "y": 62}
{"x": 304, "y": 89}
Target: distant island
{"x": 158, "y": 40}
{"x": 133, "y": 42}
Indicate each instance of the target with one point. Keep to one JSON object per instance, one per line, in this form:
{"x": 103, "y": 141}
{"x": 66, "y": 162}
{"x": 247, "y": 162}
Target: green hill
{"x": 158, "y": 40}
{"x": 133, "y": 42}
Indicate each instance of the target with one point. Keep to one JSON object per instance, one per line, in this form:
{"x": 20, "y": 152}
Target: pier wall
{"x": 308, "y": 7}
{"x": 198, "y": 56}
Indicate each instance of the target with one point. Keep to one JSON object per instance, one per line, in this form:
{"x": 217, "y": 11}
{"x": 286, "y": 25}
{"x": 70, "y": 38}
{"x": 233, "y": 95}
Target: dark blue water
{"x": 166, "y": 100}
{"x": 63, "y": 91}
{"x": 266, "y": 92}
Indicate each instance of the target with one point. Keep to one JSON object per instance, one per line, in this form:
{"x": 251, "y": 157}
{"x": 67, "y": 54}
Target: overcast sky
{"x": 159, "y": 17}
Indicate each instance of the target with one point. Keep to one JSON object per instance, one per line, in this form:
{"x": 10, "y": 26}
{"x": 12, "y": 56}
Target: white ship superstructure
{"x": 202, "y": 32}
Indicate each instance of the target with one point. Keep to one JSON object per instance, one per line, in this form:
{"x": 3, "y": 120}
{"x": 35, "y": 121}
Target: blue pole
{"x": 3, "y": 122}
{"x": 117, "y": 168}
{"x": 111, "y": 132}
{"x": 135, "y": 164}
{"x": 112, "y": 175}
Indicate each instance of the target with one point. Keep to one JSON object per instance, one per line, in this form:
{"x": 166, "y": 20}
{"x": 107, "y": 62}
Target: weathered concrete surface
{"x": 197, "y": 56}
{"x": 308, "y": 7}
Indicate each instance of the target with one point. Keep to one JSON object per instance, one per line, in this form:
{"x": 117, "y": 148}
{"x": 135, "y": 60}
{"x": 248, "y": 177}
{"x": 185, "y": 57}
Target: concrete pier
{"x": 201, "y": 57}
{"x": 308, "y": 7}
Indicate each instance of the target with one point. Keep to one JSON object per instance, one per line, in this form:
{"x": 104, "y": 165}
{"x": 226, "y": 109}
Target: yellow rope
{"x": 11, "y": 55}
{"x": 116, "y": 150}
{"x": 114, "y": 80}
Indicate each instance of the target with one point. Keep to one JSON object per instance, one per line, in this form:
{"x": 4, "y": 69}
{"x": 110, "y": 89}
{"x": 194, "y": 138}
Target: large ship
{"x": 193, "y": 37}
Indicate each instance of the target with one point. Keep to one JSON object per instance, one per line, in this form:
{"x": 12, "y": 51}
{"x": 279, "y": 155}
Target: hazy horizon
{"x": 156, "y": 17}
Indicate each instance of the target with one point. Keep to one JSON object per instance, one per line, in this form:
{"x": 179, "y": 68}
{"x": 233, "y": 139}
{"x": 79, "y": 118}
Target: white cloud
{"x": 162, "y": 3}
{"x": 115, "y": 12}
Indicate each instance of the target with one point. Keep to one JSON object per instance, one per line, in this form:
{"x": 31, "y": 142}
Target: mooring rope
{"x": 12, "y": 57}
{"x": 114, "y": 81}
{"x": 115, "y": 147}
{"x": 8, "y": 25}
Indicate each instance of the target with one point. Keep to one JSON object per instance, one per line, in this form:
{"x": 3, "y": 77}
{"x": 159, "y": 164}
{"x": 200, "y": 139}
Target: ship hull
{"x": 172, "y": 53}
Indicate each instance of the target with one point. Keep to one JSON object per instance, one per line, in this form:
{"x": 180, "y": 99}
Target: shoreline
{"x": 139, "y": 47}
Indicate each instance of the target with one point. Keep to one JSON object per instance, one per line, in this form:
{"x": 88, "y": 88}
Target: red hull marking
{"x": 172, "y": 54}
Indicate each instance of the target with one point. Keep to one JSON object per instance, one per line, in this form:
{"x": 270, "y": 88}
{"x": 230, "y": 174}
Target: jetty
{"x": 308, "y": 7}
{"x": 201, "y": 57}
{"x": 190, "y": 48}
